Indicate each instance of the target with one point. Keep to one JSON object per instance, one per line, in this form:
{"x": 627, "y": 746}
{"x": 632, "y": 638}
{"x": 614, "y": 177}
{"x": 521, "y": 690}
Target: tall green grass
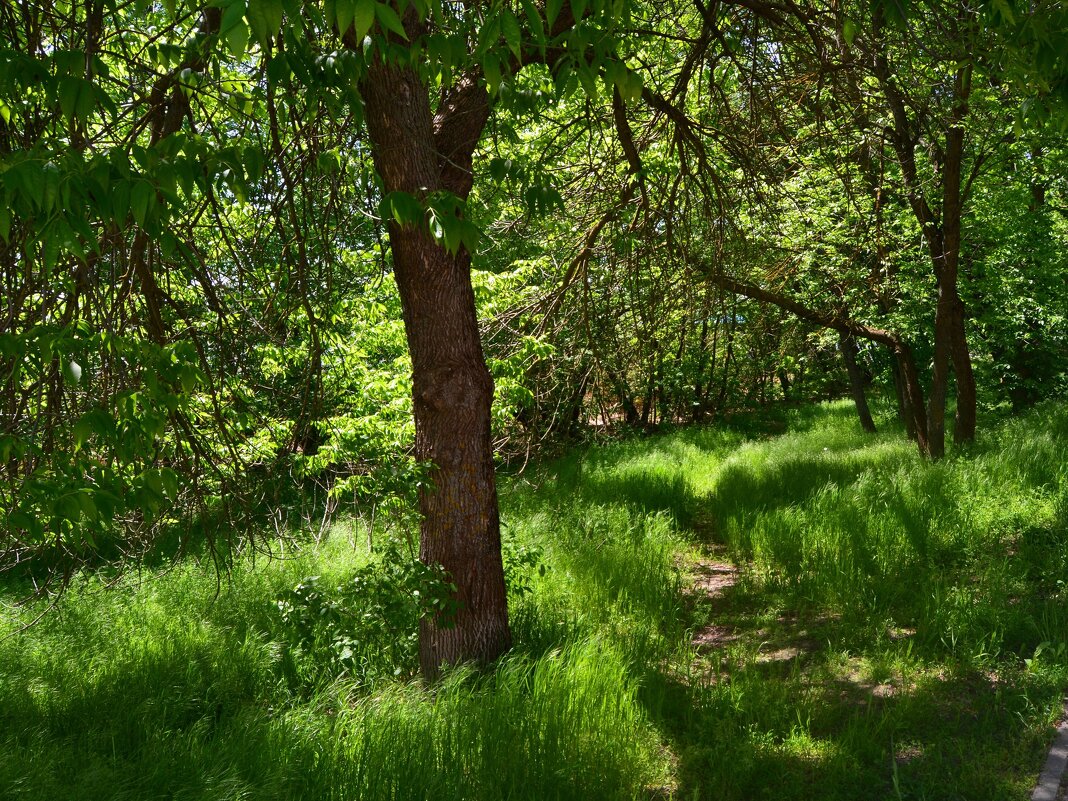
{"x": 899, "y": 630}
{"x": 968, "y": 550}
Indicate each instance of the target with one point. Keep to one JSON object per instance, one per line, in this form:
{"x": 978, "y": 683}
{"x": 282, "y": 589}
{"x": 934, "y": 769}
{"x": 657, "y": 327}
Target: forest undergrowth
{"x": 897, "y": 629}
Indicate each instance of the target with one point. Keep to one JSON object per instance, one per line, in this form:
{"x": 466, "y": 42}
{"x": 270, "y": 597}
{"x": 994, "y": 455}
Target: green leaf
{"x": 169, "y": 480}
{"x": 629, "y": 84}
{"x": 26, "y": 522}
{"x": 405, "y": 209}
{"x": 120, "y": 203}
{"x": 588, "y": 78}
{"x": 552, "y": 11}
{"x": 491, "y": 68}
{"x": 537, "y": 26}
{"x": 142, "y": 198}
{"x": 365, "y": 18}
{"x": 578, "y": 8}
{"x": 234, "y": 29}
{"x": 67, "y": 508}
{"x": 253, "y": 163}
{"x": 76, "y": 99}
{"x": 51, "y": 180}
{"x": 500, "y": 169}
{"x": 389, "y": 20}
{"x": 278, "y": 69}
{"x": 72, "y": 371}
{"x": 512, "y": 34}
{"x": 849, "y": 30}
{"x": 237, "y": 39}
{"x": 345, "y": 10}
{"x": 265, "y": 18}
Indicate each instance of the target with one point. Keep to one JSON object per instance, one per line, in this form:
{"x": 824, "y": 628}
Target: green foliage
{"x": 367, "y": 626}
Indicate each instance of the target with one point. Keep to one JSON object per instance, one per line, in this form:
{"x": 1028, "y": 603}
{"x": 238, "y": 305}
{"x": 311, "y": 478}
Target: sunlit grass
{"x": 899, "y": 630}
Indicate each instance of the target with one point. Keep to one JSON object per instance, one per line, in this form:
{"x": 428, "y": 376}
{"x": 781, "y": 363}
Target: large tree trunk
{"x": 418, "y": 152}
{"x": 453, "y": 392}
{"x": 848, "y": 345}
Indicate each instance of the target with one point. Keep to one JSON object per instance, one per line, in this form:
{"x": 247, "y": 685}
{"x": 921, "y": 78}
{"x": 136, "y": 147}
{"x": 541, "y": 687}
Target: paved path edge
{"x": 1049, "y": 782}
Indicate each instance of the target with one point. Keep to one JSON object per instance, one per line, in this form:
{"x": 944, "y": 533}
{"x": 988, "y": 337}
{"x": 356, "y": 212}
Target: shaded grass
{"x": 878, "y": 639}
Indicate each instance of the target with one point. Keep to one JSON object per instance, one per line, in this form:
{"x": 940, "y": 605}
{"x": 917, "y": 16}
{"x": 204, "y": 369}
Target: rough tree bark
{"x": 418, "y": 151}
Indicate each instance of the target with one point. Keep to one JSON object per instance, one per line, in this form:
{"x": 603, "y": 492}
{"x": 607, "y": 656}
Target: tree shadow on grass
{"x": 647, "y": 490}
{"x": 807, "y": 706}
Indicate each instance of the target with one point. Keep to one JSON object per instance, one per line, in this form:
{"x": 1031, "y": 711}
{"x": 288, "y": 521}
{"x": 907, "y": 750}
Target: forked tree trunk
{"x": 418, "y": 152}
{"x": 943, "y": 239}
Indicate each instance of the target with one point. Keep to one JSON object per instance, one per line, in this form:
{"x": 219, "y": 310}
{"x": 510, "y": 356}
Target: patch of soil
{"x": 713, "y": 636}
{"x": 711, "y": 579}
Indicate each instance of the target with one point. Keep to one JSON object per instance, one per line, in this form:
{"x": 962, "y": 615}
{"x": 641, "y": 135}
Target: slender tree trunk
{"x": 728, "y": 359}
{"x": 936, "y": 401}
{"x": 696, "y": 411}
{"x": 964, "y": 424}
{"x": 965, "y": 420}
{"x": 951, "y": 344}
{"x": 573, "y": 417}
{"x": 650, "y": 391}
{"x": 910, "y": 378}
{"x": 848, "y": 345}
{"x": 784, "y": 383}
{"x": 630, "y": 410}
{"x": 417, "y": 152}
{"x": 904, "y": 407}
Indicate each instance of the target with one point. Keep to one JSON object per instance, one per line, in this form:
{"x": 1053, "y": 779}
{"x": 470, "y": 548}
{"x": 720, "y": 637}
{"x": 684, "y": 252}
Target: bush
{"x": 367, "y": 627}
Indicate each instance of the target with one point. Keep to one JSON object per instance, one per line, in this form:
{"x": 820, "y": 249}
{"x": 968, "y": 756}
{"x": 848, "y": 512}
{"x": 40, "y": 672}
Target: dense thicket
{"x": 616, "y": 212}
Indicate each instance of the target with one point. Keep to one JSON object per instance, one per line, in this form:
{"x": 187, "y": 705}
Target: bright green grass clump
{"x": 897, "y": 630}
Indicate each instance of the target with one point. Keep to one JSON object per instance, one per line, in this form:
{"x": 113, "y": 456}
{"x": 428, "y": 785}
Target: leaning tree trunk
{"x": 453, "y": 391}
{"x": 906, "y": 362}
{"x": 848, "y": 345}
{"x": 417, "y": 151}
